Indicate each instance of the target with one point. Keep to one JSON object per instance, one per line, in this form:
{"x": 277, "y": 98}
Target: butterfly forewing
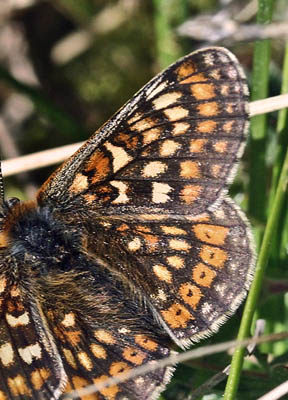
{"x": 132, "y": 242}
{"x": 173, "y": 147}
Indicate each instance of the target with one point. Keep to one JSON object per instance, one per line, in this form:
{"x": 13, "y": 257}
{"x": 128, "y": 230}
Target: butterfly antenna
{"x": 1, "y": 185}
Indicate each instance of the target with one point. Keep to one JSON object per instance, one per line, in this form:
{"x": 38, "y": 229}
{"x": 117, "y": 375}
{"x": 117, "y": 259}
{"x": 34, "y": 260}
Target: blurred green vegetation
{"x": 124, "y": 44}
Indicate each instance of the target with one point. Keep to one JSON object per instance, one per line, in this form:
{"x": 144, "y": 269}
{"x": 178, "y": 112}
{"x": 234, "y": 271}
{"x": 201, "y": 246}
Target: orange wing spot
{"x": 143, "y": 228}
{"x": 203, "y": 275}
{"x": 4, "y": 239}
{"x": 85, "y": 360}
{"x": 127, "y": 140}
{"x": 207, "y": 126}
{"x": 145, "y": 342}
{"x": 122, "y": 228}
{"x": 101, "y": 164}
{"x": 104, "y": 336}
{"x": 151, "y": 241}
{"x": 133, "y": 355}
{"x": 203, "y": 91}
{"x": 109, "y": 392}
{"x": 73, "y": 337}
{"x": 189, "y": 169}
{"x": 176, "y": 113}
{"x": 80, "y": 383}
{"x": 18, "y": 386}
{"x": 119, "y": 368}
{"x": 177, "y": 316}
{"x": 198, "y": 218}
{"x": 191, "y": 294}
{"x": 2, "y": 395}
{"x": 190, "y": 193}
{"x": 79, "y": 184}
{"x": 13, "y": 306}
{"x": 185, "y": 69}
{"x": 216, "y": 169}
{"x": 213, "y": 255}
{"x": 208, "y": 109}
{"x": 153, "y": 217}
{"x": 15, "y": 291}
{"x": 227, "y": 127}
{"x": 173, "y": 230}
{"x": 180, "y": 128}
{"x": 70, "y": 358}
{"x": 176, "y": 262}
{"x": 98, "y": 351}
{"x": 151, "y": 135}
{"x": 195, "y": 78}
{"x": 196, "y": 145}
{"x": 90, "y": 198}
{"x": 168, "y": 148}
{"x": 179, "y": 245}
{"x": 220, "y": 146}
{"x": 162, "y": 273}
{"x": 213, "y": 234}
{"x": 39, "y": 377}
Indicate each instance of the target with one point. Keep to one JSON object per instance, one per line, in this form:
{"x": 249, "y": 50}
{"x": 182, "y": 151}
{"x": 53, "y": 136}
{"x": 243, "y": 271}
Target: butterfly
{"x": 132, "y": 243}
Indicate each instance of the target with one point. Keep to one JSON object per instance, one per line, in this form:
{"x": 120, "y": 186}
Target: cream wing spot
{"x": 120, "y": 156}
{"x": 85, "y": 360}
{"x": 168, "y": 148}
{"x": 6, "y": 354}
{"x": 69, "y": 320}
{"x": 176, "y": 113}
{"x": 166, "y": 100}
{"x": 29, "y": 352}
{"x": 157, "y": 89}
{"x": 23, "y": 319}
{"x": 80, "y": 183}
{"x": 134, "y": 244}
{"x": 160, "y": 192}
{"x": 122, "y": 188}
{"x": 154, "y": 168}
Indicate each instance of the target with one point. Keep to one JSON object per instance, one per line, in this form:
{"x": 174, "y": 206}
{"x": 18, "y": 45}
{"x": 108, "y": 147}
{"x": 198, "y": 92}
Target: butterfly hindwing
{"x": 192, "y": 270}
{"x": 172, "y": 147}
{"x": 31, "y": 367}
{"x": 108, "y": 337}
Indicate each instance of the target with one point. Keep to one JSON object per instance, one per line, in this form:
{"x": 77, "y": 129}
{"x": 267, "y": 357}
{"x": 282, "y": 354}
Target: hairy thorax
{"x": 37, "y": 238}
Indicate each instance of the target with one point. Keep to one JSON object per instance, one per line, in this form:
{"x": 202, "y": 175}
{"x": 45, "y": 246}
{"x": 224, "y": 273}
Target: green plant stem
{"x": 168, "y": 15}
{"x": 257, "y": 191}
{"x": 253, "y": 296}
{"x": 260, "y": 76}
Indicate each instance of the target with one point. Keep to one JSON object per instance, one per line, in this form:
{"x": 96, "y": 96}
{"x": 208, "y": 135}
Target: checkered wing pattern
{"x": 30, "y": 365}
{"x": 193, "y": 271}
{"x": 172, "y": 148}
{"x": 131, "y": 242}
{"x": 101, "y": 333}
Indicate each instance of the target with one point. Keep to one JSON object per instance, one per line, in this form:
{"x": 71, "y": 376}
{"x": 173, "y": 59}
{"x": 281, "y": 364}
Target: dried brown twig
{"x": 60, "y": 154}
